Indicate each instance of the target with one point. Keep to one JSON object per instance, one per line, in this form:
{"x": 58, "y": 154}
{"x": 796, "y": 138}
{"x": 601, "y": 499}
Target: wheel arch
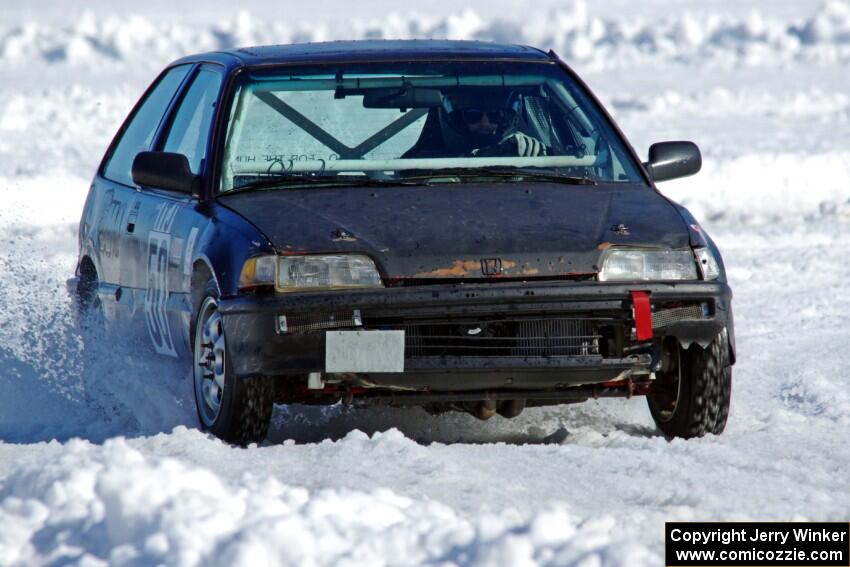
{"x": 87, "y": 267}
{"x": 202, "y": 272}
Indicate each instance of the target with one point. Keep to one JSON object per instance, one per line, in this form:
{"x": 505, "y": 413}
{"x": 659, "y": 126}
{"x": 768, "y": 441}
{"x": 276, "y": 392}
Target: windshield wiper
{"x": 518, "y": 174}
{"x": 298, "y": 181}
{"x": 555, "y": 177}
{"x": 506, "y": 173}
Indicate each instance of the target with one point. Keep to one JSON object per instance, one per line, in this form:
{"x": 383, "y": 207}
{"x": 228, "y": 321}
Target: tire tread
{"x": 247, "y": 404}
{"x": 705, "y": 393}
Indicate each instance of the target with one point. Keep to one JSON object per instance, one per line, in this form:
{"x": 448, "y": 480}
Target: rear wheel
{"x": 691, "y": 398}
{"x": 87, "y": 300}
{"x": 234, "y": 410}
{"x": 88, "y": 309}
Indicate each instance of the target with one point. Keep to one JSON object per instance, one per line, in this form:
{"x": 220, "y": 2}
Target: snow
{"x": 124, "y": 505}
{"x": 100, "y": 461}
{"x": 600, "y": 40}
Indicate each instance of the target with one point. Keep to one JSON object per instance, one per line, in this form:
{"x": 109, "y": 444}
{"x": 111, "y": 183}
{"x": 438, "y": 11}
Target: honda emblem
{"x": 491, "y": 266}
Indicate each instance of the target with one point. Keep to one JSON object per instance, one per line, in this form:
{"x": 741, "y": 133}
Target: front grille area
{"x": 502, "y": 338}
{"x": 307, "y": 323}
{"x": 665, "y": 317}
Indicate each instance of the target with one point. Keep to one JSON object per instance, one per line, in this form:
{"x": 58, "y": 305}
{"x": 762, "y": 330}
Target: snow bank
{"x": 52, "y": 130}
{"x": 762, "y": 188}
{"x": 770, "y": 152}
{"x": 744, "y": 102}
{"x": 694, "y": 37}
{"x": 97, "y": 504}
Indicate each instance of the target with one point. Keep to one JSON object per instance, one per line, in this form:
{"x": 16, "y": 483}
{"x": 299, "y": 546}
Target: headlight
{"x": 312, "y": 272}
{"x": 647, "y": 265}
{"x": 296, "y": 273}
{"x": 257, "y": 272}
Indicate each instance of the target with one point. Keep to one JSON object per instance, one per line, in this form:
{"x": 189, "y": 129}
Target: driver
{"x": 475, "y": 123}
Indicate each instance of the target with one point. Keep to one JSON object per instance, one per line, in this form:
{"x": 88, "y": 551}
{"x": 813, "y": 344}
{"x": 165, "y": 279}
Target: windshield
{"x": 386, "y": 122}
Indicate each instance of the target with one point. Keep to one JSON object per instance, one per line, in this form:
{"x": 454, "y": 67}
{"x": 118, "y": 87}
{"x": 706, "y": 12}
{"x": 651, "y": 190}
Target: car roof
{"x": 368, "y": 50}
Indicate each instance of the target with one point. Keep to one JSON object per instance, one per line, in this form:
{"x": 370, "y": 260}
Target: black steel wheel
{"x": 692, "y": 397}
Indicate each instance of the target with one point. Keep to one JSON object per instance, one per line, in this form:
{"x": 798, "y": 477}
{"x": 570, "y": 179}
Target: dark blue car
{"x": 455, "y": 225}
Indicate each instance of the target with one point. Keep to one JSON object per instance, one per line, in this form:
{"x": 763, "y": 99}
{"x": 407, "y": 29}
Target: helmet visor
{"x": 498, "y": 117}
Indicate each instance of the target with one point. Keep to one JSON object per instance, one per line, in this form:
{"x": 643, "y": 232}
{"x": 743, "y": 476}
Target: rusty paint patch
{"x": 529, "y": 271}
{"x": 290, "y": 250}
{"x": 459, "y": 268}
{"x": 462, "y": 268}
{"x": 604, "y": 246}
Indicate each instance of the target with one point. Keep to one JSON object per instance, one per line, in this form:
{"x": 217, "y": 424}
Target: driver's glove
{"x": 515, "y": 145}
{"x": 526, "y": 146}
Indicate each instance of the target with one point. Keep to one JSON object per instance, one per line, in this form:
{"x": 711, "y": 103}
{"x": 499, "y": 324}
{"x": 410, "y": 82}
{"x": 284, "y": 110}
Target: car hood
{"x": 462, "y": 231}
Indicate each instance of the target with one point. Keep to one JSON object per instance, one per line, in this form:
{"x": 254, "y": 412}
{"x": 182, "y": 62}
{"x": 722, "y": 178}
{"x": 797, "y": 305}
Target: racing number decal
{"x": 111, "y": 231}
{"x": 156, "y": 294}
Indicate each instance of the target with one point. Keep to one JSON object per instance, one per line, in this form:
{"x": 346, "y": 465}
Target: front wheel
{"x": 691, "y": 398}
{"x": 234, "y": 410}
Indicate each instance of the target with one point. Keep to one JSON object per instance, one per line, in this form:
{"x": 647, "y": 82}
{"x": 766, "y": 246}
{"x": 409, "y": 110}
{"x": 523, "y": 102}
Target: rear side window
{"x": 138, "y": 135}
{"x": 191, "y": 126}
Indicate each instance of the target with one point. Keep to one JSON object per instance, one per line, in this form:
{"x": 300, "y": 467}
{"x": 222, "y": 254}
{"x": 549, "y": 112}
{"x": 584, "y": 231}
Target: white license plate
{"x": 364, "y": 351}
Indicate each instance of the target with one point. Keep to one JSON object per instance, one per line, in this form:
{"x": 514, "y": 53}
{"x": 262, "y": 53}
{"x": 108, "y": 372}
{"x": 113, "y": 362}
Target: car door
{"x": 115, "y": 192}
{"x": 168, "y": 223}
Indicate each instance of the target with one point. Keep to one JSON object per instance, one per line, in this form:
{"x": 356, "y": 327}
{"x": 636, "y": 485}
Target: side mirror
{"x": 671, "y": 160}
{"x": 165, "y": 170}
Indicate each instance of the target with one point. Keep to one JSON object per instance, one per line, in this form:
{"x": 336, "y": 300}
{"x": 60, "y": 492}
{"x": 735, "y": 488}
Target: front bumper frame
{"x": 258, "y": 349}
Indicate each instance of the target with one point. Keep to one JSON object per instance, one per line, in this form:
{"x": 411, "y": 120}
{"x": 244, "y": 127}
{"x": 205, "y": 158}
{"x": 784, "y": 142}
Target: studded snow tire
{"x": 235, "y": 410}
{"x": 693, "y": 398}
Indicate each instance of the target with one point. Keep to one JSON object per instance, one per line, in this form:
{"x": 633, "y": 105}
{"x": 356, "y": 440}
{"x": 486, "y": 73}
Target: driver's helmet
{"x": 476, "y": 118}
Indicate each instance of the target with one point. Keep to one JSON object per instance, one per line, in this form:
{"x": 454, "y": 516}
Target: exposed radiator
{"x": 504, "y": 337}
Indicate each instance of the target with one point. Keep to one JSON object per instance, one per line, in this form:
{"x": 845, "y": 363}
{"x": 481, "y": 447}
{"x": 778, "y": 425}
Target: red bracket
{"x": 643, "y": 315}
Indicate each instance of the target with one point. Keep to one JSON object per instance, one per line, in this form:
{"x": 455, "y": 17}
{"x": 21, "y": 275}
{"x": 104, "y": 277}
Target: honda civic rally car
{"x": 454, "y": 225}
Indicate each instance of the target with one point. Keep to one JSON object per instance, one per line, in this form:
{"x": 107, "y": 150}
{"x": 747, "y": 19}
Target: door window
{"x": 138, "y": 135}
{"x": 191, "y": 126}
